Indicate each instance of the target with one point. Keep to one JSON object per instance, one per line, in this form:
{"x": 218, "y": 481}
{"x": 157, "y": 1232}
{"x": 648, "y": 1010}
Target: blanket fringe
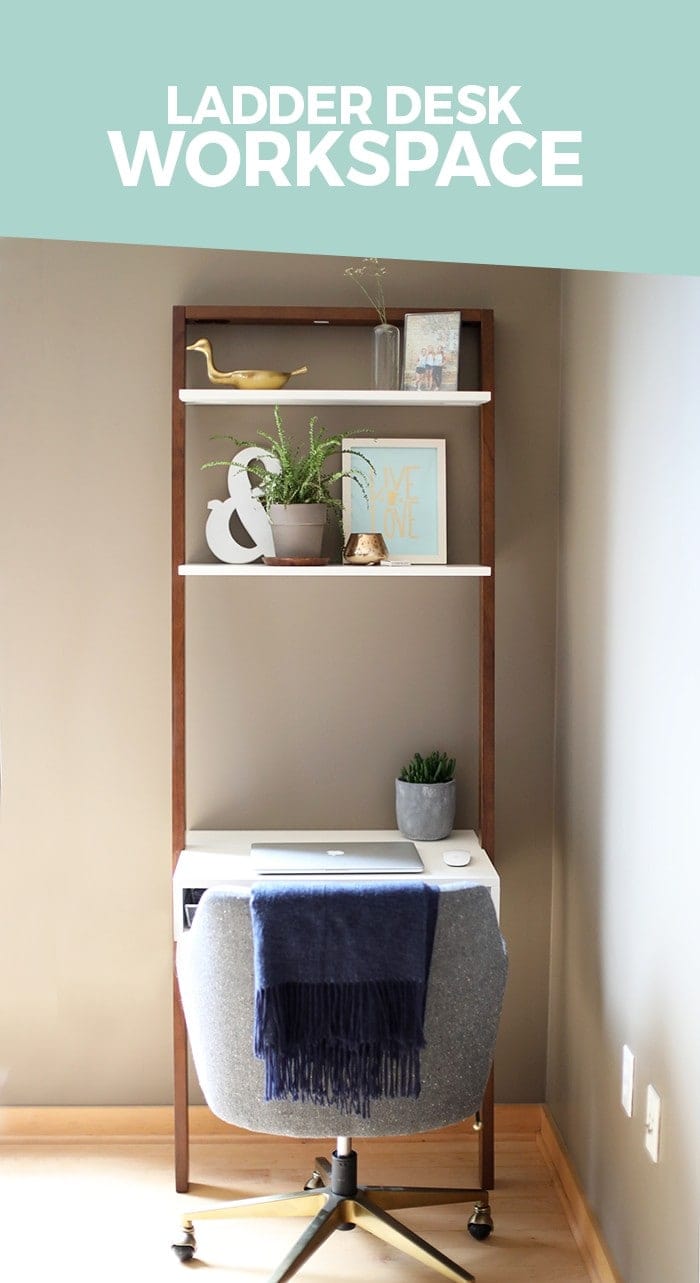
{"x": 368, "y": 1043}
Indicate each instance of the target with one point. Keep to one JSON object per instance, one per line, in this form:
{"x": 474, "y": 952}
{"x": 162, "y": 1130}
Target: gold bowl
{"x": 365, "y": 550}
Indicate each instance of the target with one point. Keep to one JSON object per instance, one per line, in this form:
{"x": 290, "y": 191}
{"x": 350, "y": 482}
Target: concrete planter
{"x": 425, "y": 812}
{"x": 297, "y": 528}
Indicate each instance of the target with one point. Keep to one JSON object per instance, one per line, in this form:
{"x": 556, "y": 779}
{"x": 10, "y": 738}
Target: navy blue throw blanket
{"x": 341, "y": 972}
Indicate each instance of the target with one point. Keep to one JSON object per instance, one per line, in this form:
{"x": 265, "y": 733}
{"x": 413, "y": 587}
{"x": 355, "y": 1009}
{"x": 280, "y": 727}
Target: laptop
{"x": 343, "y": 857}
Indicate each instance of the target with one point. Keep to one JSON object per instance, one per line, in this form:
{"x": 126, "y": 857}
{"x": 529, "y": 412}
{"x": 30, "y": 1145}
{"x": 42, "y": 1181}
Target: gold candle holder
{"x": 365, "y": 550}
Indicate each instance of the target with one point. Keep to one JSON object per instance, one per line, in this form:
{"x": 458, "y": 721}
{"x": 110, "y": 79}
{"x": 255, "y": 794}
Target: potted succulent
{"x": 426, "y": 797}
{"x": 296, "y": 489}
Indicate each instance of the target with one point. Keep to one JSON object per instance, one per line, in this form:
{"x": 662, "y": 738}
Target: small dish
{"x": 296, "y": 561}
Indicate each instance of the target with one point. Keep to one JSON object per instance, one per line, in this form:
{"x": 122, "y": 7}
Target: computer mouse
{"x": 457, "y": 858}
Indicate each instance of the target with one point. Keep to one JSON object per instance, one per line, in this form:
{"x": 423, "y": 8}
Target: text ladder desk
{"x": 211, "y": 858}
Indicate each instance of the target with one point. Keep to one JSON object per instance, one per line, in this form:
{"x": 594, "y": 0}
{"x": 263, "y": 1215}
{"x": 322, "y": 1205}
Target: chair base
{"x": 335, "y": 1201}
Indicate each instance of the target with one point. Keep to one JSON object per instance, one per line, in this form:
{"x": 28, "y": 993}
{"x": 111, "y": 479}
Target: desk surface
{"x": 212, "y": 857}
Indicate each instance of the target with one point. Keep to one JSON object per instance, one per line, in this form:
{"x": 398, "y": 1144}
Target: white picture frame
{"x": 406, "y": 498}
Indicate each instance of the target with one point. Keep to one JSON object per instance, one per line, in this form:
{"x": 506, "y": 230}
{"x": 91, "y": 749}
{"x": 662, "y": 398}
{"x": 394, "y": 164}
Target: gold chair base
{"x": 368, "y": 1207}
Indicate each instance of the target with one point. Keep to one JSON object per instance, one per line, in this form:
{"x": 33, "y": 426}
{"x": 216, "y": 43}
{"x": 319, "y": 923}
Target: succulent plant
{"x": 436, "y": 768}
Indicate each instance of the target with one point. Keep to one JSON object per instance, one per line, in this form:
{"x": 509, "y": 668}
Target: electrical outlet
{"x": 627, "y": 1080}
{"x": 653, "y": 1123}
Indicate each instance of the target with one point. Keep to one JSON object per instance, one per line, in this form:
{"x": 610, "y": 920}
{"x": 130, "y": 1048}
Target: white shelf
{"x": 335, "y": 571}
{"x": 329, "y": 396}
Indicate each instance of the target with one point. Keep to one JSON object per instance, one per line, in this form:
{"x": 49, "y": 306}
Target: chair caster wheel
{"x": 480, "y": 1223}
{"x": 315, "y": 1181}
{"x": 185, "y": 1245}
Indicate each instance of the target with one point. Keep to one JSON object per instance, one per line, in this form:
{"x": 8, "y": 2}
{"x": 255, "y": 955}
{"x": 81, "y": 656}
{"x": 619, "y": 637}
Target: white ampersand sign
{"x": 244, "y": 503}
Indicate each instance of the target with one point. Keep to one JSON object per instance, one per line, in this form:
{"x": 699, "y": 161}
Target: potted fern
{"x": 426, "y": 797}
{"x": 294, "y": 485}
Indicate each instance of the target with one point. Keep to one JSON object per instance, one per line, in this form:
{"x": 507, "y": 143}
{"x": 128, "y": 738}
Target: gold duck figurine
{"x": 253, "y": 380}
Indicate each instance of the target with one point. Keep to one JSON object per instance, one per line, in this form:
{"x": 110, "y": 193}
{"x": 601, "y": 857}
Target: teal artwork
{"x": 403, "y": 499}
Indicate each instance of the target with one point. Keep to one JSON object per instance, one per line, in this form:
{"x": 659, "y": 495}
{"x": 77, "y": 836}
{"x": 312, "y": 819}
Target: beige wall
{"x": 84, "y": 655}
{"x": 626, "y": 952}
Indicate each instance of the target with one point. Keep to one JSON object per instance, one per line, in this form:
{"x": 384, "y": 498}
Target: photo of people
{"x": 431, "y": 352}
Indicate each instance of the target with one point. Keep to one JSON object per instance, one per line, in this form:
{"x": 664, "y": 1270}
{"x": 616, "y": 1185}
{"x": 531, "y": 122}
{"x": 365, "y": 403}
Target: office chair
{"x": 463, "y": 1004}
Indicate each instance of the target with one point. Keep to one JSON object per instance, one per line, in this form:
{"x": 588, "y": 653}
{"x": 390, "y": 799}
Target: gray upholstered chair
{"x": 465, "y": 991}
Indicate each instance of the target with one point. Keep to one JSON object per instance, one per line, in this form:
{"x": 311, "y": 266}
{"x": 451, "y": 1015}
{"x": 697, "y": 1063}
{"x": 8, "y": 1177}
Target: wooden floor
{"x": 102, "y": 1210}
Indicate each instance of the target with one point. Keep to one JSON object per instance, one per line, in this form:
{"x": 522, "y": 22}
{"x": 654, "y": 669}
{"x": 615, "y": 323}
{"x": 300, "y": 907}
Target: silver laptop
{"x": 343, "y": 857}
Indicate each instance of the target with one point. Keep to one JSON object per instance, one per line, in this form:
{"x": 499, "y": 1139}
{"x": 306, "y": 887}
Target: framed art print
{"x": 405, "y": 496}
{"x": 431, "y": 351}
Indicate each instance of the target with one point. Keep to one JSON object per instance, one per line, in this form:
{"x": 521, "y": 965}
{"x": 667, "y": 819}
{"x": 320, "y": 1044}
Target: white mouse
{"x": 457, "y": 858}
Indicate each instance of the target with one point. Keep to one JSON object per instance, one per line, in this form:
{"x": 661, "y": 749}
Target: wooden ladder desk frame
{"x": 480, "y": 320}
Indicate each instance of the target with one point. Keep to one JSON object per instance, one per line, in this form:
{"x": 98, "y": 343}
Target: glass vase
{"x": 386, "y": 344}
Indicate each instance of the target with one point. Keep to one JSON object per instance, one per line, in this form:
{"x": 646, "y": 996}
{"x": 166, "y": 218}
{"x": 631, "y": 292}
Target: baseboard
{"x": 86, "y": 1122}
{"x": 517, "y": 1120}
{"x": 155, "y": 1122}
{"x": 583, "y": 1224}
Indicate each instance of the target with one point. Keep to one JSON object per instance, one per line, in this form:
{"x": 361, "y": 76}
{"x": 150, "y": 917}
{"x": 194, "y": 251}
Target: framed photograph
{"x": 431, "y": 351}
{"x": 405, "y": 496}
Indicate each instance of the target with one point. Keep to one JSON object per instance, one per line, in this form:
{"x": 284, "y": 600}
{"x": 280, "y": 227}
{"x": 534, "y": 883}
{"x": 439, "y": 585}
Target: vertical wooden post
{"x": 487, "y": 552}
{"x": 487, "y": 556}
{"x": 180, "y": 1085}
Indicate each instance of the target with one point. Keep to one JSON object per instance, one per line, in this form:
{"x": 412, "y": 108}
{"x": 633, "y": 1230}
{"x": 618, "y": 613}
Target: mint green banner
{"x": 539, "y": 134}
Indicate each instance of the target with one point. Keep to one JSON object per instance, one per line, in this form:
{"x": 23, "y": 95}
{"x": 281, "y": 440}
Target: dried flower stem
{"x": 374, "y": 293}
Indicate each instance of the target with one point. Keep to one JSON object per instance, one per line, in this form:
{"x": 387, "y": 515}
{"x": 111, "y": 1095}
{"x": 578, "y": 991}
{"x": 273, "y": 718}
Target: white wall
{"x": 626, "y": 944}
